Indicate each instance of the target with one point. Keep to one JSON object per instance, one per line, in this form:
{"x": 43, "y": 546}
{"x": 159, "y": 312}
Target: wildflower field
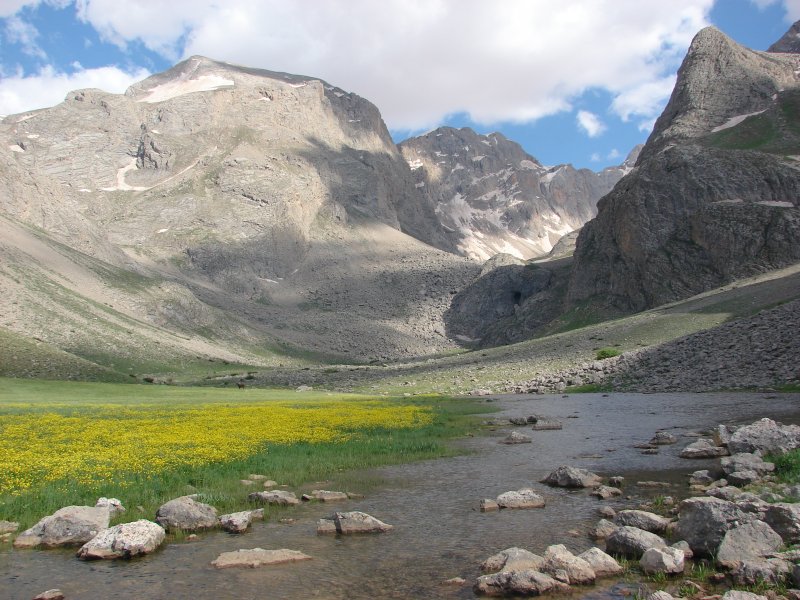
{"x": 68, "y": 443}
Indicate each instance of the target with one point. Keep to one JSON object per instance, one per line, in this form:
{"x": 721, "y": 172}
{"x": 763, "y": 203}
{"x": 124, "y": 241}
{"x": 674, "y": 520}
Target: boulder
{"x": 725, "y": 492}
{"x": 741, "y": 595}
{"x": 113, "y": 505}
{"x": 765, "y": 436}
{"x": 488, "y": 505}
{"x": 703, "y": 522}
{"x": 703, "y": 477}
{"x": 522, "y": 583}
{"x": 257, "y": 557}
{"x": 8, "y": 527}
{"x": 54, "y": 594}
{"x": 784, "y": 518}
{"x": 683, "y": 547}
{"x": 275, "y": 497}
{"x": 606, "y": 512}
{"x": 663, "y": 438}
{"x": 602, "y": 564}
{"x": 604, "y": 492}
{"x": 660, "y": 595}
{"x": 67, "y": 526}
{"x": 662, "y": 560}
{"x": 747, "y": 542}
{"x": 524, "y": 498}
{"x": 602, "y": 529}
{"x": 770, "y": 571}
{"x": 186, "y": 514}
{"x": 547, "y": 425}
{"x": 746, "y": 461}
{"x": 703, "y": 448}
{"x": 512, "y": 559}
{"x": 632, "y": 542}
{"x": 326, "y": 496}
{"x": 352, "y": 522}
{"x": 572, "y": 477}
{"x": 124, "y": 541}
{"x": 558, "y": 558}
{"x": 742, "y": 478}
{"x": 237, "y": 522}
{"x": 516, "y": 438}
{"x": 643, "y": 520}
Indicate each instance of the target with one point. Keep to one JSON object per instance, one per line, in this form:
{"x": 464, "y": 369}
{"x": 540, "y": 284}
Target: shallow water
{"x": 439, "y": 533}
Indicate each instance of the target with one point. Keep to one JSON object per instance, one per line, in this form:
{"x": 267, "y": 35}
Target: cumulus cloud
{"x": 791, "y": 7}
{"x": 589, "y": 123}
{"x": 19, "y": 93}
{"x": 19, "y": 31}
{"x": 421, "y": 60}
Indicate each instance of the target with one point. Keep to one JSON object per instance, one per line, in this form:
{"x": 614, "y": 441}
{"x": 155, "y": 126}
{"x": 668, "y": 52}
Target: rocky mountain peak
{"x": 492, "y": 197}
{"x": 789, "y": 42}
{"x": 719, "y": 80}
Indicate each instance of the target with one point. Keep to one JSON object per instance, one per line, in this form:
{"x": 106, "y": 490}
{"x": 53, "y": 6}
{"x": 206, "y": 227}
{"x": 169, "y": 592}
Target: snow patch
{"x": 165, "y": 230}
{"x": 181, "y": 87}
{"x": 415, "y": 164}
{"x": 528, "y": 165}
{"x": 16, "y": 148}
{"x": 478, "y": 158}
{"x": 298, "y": 85}
{"x": 85, "y": 190}
{"x": 32, "y": 136}
{"x": 730, "y": 201}
{"x": 421, "y": 184}
{"x": 338, "y": 94}
{"x": 734, "y": 121}
{"x": 121, "y": 185}
{"x": 156, "y": 131}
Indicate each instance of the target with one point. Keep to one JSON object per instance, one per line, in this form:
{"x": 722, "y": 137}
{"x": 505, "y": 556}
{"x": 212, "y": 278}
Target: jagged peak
{"x": 789, "y": 42}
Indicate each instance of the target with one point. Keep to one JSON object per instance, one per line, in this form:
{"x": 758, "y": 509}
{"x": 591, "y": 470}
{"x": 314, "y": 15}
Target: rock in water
{"x": 524, "y": 498}
{"x": 516, "y": 438}
{"x": 523, "y": 583}
{"x": 572, "y": 477}
{"x": 67, "y": 526}
{"x": 277, "y": 497}
{"x": 186, "y": 514}
{"x": 632, "y": 542}
{"x": 352, "y": 522}
{"x": 512, "y": 559}
{"x": 257, "y": 557}
{"x": 765, "y": 436}
{"x": 703, "y": 448}
{"x": 558, "y": 558}
{"x": 124, "y": 541}
{"x": 602, "y": 564}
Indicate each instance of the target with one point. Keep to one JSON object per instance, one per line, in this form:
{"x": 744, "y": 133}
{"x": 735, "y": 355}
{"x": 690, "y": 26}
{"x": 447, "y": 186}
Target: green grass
{"x": 604, "y": 353}
{"x": 787, "y": 466}
{"x": 301, "y": 466}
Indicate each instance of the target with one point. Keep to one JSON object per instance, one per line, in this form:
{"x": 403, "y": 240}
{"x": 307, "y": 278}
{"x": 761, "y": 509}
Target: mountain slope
{"x": 492, "y": 197}
{"x": 267, "y": 210}
{"x": 715, "y": 192}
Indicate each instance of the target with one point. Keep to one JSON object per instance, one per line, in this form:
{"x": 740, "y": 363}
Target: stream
{"x": 439, "y": 531}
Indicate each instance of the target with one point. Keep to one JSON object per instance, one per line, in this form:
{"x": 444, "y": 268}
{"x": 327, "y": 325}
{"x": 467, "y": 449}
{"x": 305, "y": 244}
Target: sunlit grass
{"x": 66, "y": 443}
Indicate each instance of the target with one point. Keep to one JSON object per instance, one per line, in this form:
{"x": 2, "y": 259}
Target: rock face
{"x": 124, "y": 541}
{"x": 490, "y": 196}
{"x": 790, "y": 42}
{"x": 214, "y": 190}
{"x": 713, "y": 195}
{"x": 67, "y": 526}
{"x": 186, "y": 514}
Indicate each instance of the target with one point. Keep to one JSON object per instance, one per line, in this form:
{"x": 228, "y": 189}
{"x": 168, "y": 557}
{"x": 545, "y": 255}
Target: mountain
{"x": 219, "y": 212}
{"x": 789, "y": 42}
{"x": 714, "y": 194}
{"x": 492, "y": 197}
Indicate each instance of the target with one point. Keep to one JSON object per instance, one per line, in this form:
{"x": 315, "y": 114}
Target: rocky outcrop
{"x": 789, "y": 42}
{"x": 67, "y": 526}
{"x": 492, "y": 197}
{"x": 124, "y": 541}
{"x": 713, "y": 196}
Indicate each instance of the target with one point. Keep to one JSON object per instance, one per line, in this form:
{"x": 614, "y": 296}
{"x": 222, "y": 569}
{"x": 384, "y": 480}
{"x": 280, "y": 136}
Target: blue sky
{"x": 577, "y": 82}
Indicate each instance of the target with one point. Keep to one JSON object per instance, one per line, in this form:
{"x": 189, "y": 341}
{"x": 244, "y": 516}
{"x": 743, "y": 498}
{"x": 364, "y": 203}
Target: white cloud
{"x": 595, "y": 157}
{"x": 644, "y": 101}
{"x": 589, "y": 123}
{"x": 11, "y": 7}
{"x": 614, "y": 153}
{"x": 791, "y": 7}
{"x": 420, "y": 60}
{"x": 19, "y": 93}
{"x": 23, "y": 33}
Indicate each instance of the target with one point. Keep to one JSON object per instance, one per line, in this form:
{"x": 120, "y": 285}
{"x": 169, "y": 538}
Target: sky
{"x": 580, "y": 81}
